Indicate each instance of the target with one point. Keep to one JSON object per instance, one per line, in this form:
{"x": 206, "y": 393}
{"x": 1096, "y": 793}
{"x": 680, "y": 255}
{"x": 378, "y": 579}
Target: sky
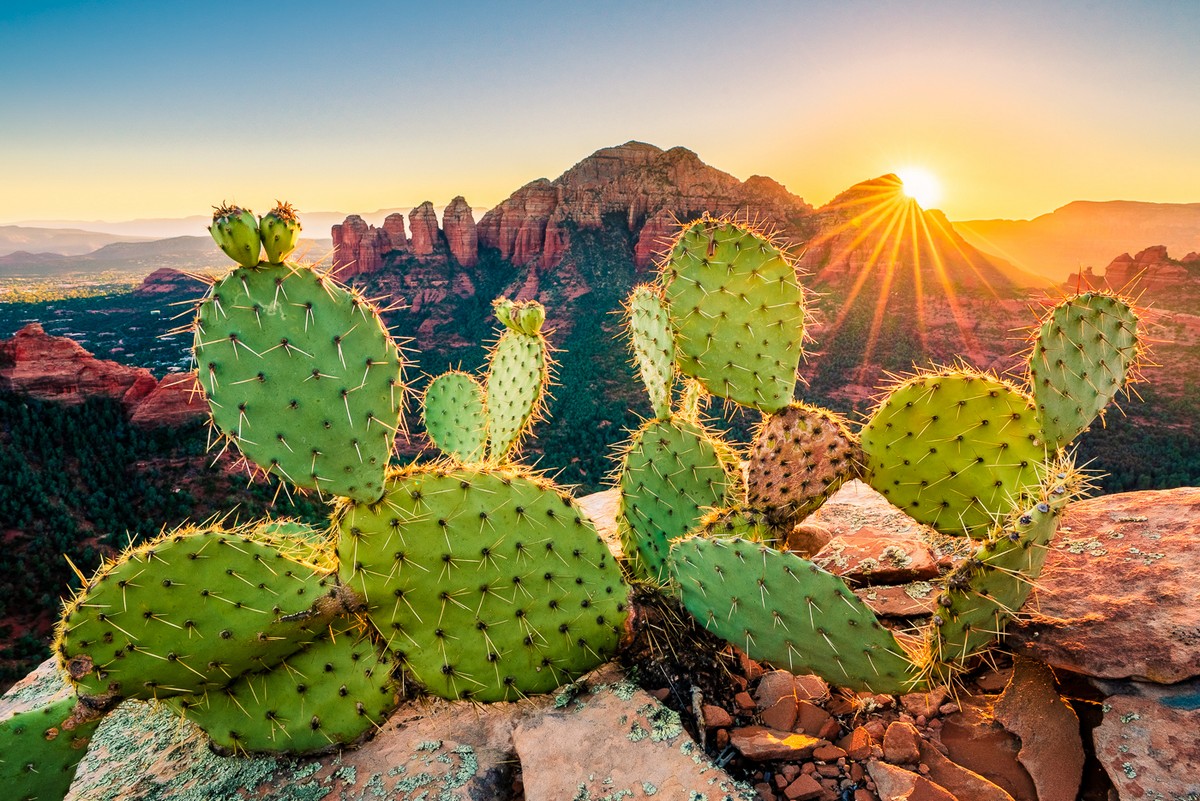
{"x": 117, "y": 110}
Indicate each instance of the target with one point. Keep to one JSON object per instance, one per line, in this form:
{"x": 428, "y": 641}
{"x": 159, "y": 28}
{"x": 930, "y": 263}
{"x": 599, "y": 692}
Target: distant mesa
{"x": 166, "y": 280}
{"x": 59, "y": 369}
{"x": 1150, "y": 271}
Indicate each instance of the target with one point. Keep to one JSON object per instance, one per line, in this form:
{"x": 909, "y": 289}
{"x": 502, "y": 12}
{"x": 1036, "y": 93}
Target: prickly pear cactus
{"x": 801, "y": 455}
{"x": 780, "y": 608}
{"x": 455, "y": 418}
{"x": 331, "y": 693}
{"x": 485, "y": 584}
{"x": 40, "y": 750}
{"x": 279, "y": 229}
{"x": 738, "y": 312}
{"x": 235, "y": 230}
{"x": 302, "y": 376}
{"x": 739, "y": 523}
{"x": 518, "y": 373}
{"x": 653, "y": 343}
{"x": 190, "y": 611}
{"x": 1083, "y": 353}
{"x": 988, "y": 589}
{"x": 673, "y": 470}
{"x": 955, "y": 449}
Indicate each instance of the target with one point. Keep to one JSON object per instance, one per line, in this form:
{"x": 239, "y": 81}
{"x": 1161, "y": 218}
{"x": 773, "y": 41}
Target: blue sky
{"x": 122, "y": 109}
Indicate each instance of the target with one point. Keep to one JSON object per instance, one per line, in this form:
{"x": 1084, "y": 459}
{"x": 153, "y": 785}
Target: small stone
{"x": 716, "y": 717}
{"x": 750, "y": 669}
{"x": 811, "y": 688}
{"x": 924, "y": 704}
{"x": 760, "y": 743}
{"x": 811, "y": 719}
{"x": 892, "y": 782}
{"x": 829, "y": 753}
{"x": 662, "y": 693}
{"x": 804, "y": 788}
{"x": 876, "y": 729}
{"x": 790, "y": 771}
{"x": 901, "y": 744}
{"x": 857, "y": 744}
{"x": 829, "y": 771}
{"x": 780, "y": 781}
{"x": 948, "y": 708}
{"x": 807, "y": 539}
{"x": 764, "y": 791}
{"x": 863, "y": 794}
{"x": 745, "y": 702}
{"x": 781, "y": 715}
{"x": 722, "y": 738}
{"x": 775, "y": 685}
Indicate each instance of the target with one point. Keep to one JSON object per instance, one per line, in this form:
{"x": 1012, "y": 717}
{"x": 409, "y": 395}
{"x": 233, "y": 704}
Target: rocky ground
{"x": 1096, "y": 698}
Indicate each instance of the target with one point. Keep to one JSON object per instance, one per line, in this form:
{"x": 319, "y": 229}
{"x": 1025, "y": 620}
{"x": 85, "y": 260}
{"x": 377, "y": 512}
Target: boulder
{"x": 1148, "y": 749}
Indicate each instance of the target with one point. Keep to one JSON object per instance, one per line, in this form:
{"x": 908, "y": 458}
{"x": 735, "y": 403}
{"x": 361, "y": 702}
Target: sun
{"x": 921, "y": 185}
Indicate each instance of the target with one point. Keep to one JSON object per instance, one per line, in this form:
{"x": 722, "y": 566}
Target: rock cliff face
{"x": 1150, "y": 271}
{"x": 59, "y": 369}
{"x": 358, "y": 248}
{"x": 458, "y": 224}
{"x": 648, "y": 188}
{"x": 423, "y": 223}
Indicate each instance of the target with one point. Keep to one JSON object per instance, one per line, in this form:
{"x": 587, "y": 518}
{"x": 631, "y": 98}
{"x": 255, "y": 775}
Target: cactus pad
{"x": 673, "y": 470}
{"x": 1082, "y": 356}
{"x": 988, "y": 590}
{"x": 189, "y": 611}
{"x": 783, "y": 609}
{"x": 331, "y": 693}
{"x": 485, "y": 584}
{"x": 40, "y": 750}
{"x": 736, "y": 523}
{"x": 280, "y": 231}
{"x": 454, "y": 416}
{"x": 653, "y": 345}
{"x": 955, "y": 449}
{"x": 518, "y": 372}
{"x": 801, "y": 455}
{"x": 302, "y": 376}
{"x": 738, "y": 312}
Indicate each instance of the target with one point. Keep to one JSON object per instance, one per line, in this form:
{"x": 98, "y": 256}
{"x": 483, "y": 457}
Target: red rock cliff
{"x": 459, "y": 226}
{"x": 1150, "y": 271}
{"x": 358, "y": 248}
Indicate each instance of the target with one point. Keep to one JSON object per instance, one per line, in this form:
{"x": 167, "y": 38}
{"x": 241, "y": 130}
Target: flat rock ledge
{"x": 602, "y": 737}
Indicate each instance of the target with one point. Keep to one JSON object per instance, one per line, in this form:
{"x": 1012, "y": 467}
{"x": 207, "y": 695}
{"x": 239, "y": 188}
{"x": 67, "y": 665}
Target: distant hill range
{"x": 59, "y": 241}
{"x": 1086, "y": 234}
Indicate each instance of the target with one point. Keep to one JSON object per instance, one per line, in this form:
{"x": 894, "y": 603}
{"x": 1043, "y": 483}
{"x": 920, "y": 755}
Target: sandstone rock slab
{"x": 1150, "y": 751}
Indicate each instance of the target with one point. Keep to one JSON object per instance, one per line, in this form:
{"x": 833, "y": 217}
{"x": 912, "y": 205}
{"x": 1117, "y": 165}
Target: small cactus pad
{"x": 518, "y": 372}
{"x": 987, "y": 590}
{"x": 40, "y": 750}
{"x": 235, "y": 230}
{"x": 780, "y": 608}
{"x": 653, "y": 345}
{"x": 190, "y": 610}
{"x": 673, "y": 470}
{"x": 454, "y": 416}
{"x": 736, "y": 523}
{"x": 738, "y": 312}
{"x": 490, "y": 585}
{"x": 302, "y": 376}
{"x": 801, "y": 455}
{"x": 1084, "y": 352}
{"x": 280, "y": 231}
{"x": 955, "y": 449}
{"x": 331, "y": 693}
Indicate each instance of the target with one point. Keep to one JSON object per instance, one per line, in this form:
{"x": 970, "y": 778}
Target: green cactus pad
{"x": 738, "y": 312}
{"x": 454, "y": 416}
{"x": 302, "y": 376}
{"x": 745, "y": 524}
{"x": 955, "y": 449}
{"x": 672, "y": 471}
{"x": 784, "y": 610}
{"x": 235, "y": 230}
{"x": 801, "y": 455}
{"x": 333, "y": 692}
{"x": 1082, "y": 356}
{"x": 490, "y": 585}
{"x": 189, "y": 611}
{"x": 653, "y": 345}
{"x": 518, "y": 372}
{"x": 40, "y": 750}
{"x": 988, "y": 590}
{"x": 280, "y": 231}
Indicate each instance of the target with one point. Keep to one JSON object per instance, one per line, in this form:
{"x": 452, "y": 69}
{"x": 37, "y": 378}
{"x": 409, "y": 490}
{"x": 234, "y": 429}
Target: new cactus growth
{"x": 487, "y": 584}
{"x": 800, "y": 456}
{"x": 302, "y": 376}
{"x": 653, "y": 345}
{"x": 1083, "y": 355}
{"x": 235, "y": 230}
{"x": 331, "y": 693}
{"x": 454, "y": 415}
{"x": 955, "y": 449}
{"x": 738, "y": 312}
{"x": 41, "y": 748}
{"x": 518, "y": 373}
{"x": 280, "y": 231}
{"x": 190, "y": 611}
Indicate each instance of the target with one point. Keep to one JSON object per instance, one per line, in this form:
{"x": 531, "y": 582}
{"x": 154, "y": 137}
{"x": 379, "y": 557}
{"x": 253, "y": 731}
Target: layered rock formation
{"x": 59, "y": 369}
{"x": 1151, "y": 270}
{"x": 458, "y": 225}
{"x": 165, "y": 281}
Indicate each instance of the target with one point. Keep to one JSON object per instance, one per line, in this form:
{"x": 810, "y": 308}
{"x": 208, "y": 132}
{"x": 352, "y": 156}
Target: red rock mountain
{"x": 1151, "y": 272}
{"x": 59, "y": 369}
